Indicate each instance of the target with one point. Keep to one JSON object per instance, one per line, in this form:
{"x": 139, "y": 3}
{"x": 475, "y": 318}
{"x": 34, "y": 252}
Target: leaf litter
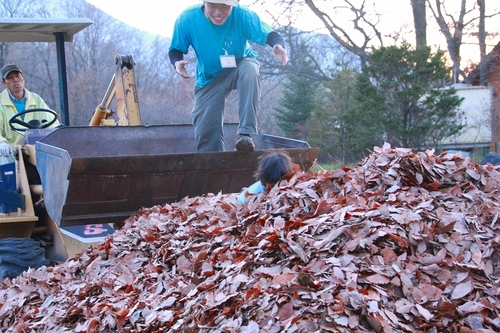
{"x": 404, "y": 242}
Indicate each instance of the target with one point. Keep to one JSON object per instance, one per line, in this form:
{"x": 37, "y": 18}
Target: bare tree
{"x": 420, "y": 22}
{"x": 358, "y": 37}
{"x": 481, "y": 36}
{"x": 469, "y": 20}
{"x": 15, "y": 9}
{"x": 363, "y": 26}
{"x": 453, "y": 31}
{"x": 355, "y": 24}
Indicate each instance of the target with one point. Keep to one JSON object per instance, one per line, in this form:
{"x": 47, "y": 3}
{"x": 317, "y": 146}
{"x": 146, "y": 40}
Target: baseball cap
{"x": 7, "y": 69}
{"x": 233, "y": 3}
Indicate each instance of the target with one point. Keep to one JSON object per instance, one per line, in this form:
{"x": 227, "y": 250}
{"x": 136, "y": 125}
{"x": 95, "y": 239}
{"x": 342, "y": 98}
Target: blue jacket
{"x": 253, "y": 189}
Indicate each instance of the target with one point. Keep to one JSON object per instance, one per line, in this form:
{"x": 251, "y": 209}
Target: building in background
{"x": 476, "y": 114}
{"x": 493, "y": 79}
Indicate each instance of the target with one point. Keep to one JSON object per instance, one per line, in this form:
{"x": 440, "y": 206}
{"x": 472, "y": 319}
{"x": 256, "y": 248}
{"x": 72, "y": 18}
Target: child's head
{"x": 272, "y": 167}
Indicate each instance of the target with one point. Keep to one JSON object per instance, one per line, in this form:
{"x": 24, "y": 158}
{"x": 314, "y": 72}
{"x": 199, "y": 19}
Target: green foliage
{"x": 407, "y": 97}
{"x": 398, "y": 98}
{"x": 295, "y": 106}
{"x": 340, "y": 125}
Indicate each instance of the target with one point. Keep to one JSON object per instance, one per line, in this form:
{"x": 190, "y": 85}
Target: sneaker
{"x": 244, "y": 143}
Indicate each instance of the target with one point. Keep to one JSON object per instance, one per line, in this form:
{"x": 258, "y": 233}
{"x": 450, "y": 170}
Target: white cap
{"x": 233, "y": 3}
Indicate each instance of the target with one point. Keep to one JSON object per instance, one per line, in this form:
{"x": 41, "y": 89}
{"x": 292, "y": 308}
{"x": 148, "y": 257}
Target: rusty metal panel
{"x": 106, "y": 174}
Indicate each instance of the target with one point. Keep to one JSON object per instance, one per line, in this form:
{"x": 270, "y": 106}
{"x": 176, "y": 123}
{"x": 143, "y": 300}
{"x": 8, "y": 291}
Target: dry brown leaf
{"x": 404, "y": 242}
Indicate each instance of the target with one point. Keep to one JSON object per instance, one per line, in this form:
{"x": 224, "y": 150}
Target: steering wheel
{"x": 32, "y": 124}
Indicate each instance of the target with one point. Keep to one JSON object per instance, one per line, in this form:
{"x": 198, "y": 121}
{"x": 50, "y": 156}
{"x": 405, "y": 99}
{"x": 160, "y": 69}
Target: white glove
{"x": 5, "y": 149}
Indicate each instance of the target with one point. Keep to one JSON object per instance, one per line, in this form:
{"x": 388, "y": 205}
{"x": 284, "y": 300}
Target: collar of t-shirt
{"x": 19, "y": 104}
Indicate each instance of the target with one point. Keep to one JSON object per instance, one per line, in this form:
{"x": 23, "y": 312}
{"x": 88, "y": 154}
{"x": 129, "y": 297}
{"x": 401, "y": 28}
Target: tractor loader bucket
{"x": 103, "y": 174}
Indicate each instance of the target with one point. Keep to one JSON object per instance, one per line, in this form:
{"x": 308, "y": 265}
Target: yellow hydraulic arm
{"x": 122, "y": 86}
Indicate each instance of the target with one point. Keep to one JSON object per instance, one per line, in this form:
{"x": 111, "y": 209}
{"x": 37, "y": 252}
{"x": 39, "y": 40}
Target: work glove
{"x": 5, "y": 149}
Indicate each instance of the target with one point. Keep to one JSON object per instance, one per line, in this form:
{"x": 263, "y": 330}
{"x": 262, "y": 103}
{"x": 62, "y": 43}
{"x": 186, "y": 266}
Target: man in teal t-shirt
{"x": 219, "y": 31}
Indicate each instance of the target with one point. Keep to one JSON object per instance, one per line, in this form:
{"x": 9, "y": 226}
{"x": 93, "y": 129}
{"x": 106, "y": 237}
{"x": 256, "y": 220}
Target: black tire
{"x": 19, "y": 254}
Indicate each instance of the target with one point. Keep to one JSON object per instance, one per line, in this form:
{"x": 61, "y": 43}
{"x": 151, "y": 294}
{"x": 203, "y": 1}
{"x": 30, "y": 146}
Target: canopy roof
{"x": 59, "y": 30}
{"x": 40, "y": 30}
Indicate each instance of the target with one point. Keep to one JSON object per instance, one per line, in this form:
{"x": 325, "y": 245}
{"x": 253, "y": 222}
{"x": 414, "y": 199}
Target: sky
{"x": 141, "y": 14}
{"x": 158, "y": 17}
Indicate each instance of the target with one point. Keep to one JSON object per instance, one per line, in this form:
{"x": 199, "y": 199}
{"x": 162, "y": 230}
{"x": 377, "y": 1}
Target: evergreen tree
{"x": 340, "y": 126}
{"x": 295, "y": 106}
{"x": 407, "y": 96}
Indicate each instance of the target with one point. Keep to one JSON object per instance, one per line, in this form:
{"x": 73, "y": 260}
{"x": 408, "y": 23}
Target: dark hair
{"x": 272, "y": 167}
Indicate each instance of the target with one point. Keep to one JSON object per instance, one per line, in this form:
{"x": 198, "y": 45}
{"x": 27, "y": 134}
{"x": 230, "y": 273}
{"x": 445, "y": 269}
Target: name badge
{"x": 227, "y": 61}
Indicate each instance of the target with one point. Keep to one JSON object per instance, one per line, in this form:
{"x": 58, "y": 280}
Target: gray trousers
{"x": 209, "y": 104}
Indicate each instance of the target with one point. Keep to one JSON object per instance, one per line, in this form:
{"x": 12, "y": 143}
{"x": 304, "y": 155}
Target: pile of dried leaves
{"x": 406, "y": 242}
